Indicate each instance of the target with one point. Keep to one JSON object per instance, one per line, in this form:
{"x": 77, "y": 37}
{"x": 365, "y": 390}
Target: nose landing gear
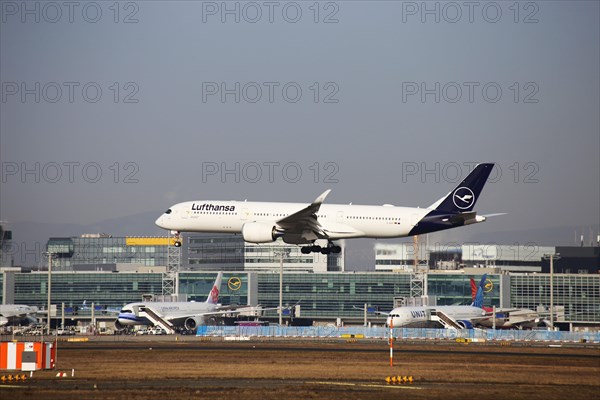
{"x": 177, "y": 237}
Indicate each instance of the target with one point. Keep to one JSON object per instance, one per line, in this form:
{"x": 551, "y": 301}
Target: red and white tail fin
{"x": 473, "y": 289}
{"x": 213, "y": 296}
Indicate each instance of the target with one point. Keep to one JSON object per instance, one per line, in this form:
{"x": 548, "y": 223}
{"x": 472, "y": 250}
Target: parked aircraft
{"x": 297, "y": 223}
{"x": 169, "y": 315}
{"x": 456, "y": 317}
{"x": 17, "y": 314}
{"x": 506, "y": 318}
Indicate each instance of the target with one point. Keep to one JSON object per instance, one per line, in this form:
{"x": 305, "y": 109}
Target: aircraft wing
{"x": 99, "y": 309}
{"x": 226, "y": 310}
{"x": 304, "y": 224}
{"x": 305, "y": 220}
{"x": 510, "y": 318}
{"x": 377, "y": 312}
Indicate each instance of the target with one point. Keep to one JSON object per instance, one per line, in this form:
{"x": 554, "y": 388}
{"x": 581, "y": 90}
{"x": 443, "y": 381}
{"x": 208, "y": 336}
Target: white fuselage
{"x": 341, "y": 221}
{"x": 130, "y": 314}
{"x": 418, "y": 317}
{"x": 16, "y": 313}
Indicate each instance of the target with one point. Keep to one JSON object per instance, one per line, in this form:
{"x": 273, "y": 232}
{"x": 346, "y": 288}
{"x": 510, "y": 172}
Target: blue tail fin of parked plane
{"x": 478, "y": 302}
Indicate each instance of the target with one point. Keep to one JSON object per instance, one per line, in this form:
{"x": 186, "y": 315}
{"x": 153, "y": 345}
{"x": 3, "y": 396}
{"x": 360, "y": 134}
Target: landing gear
{"x": 331, "y": 248}
{"x": 177, "y": 237}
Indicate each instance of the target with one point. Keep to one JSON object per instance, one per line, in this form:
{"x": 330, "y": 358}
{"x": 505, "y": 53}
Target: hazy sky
{"x": 113, "y": 109}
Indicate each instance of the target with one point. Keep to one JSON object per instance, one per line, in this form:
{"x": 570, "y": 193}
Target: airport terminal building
{"x": 199, "y": 252}
{"x": 112, "y": 271}
{"x": 528, "y": 258}
{"x": 323, "y": 297}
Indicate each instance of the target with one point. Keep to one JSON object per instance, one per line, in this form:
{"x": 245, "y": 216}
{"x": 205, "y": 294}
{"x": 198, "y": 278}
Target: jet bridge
{"x": 156, "y": 319}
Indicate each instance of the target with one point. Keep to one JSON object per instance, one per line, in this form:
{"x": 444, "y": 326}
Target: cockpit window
{"x": 168, "y": 211}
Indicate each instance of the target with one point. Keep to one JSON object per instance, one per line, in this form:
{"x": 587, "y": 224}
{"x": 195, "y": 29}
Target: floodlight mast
{"x": 552, "y": 257}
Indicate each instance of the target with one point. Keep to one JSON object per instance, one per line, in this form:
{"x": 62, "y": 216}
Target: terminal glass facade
{"x": 196, "y": 286}
{"x": 73, "y": 252}
{"x": 214, "y": 253}
{"x": 320, "y": 295}
{"x": 455, "y": 289}
{"x": 204, "y": 252}
{"x": 333, "y": 295}
{"x": 578, "y": 294}
{"x": 104, "y": 289}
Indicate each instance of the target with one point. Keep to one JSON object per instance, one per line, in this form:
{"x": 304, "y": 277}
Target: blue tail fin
{"x": 478, "y": 302}
{"x": 463, "y": 197}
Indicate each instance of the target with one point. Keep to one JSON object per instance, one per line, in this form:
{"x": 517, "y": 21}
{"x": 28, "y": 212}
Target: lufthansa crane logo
{"x": 463, "y": 198}
{"x": 488, "y": 285}
{"x": 234, "y": 283}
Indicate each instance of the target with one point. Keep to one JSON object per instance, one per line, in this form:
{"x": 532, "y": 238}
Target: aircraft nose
{"x": 162, "y": 222}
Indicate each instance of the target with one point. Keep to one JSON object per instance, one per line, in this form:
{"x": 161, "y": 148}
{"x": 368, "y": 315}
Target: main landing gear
{"x": 331, "y": 248}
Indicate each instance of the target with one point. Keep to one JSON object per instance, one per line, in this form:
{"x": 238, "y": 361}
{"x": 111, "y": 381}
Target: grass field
{"x": 193, "y": 369}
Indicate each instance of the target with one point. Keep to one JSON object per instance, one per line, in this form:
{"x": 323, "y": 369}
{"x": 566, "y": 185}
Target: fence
{"x": 320, "y": 332}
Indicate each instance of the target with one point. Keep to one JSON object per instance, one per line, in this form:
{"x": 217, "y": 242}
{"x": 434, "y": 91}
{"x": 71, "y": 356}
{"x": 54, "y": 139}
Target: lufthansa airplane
{"x": 297, "y": 223}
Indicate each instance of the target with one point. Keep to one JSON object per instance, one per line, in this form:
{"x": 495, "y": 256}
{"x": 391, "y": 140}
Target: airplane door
{"x": 340, "y": 217}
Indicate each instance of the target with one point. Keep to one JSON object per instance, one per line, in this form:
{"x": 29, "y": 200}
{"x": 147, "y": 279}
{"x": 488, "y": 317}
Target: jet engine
{"x": 192, "y": 323}
{"x": 465, "y": 324}
{"x": 119, "y": 326}
{"x": 258, "y": 232}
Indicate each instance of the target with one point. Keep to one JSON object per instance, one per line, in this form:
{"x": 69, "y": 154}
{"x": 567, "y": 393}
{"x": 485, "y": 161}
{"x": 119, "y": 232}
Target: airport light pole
{"x": 281, "y": 252}
{"x": 552, "y": 257}
{"x": 49, "y": 289}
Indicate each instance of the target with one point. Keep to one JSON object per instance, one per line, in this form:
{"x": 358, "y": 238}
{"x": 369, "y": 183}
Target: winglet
{"x": 319, "y": 200}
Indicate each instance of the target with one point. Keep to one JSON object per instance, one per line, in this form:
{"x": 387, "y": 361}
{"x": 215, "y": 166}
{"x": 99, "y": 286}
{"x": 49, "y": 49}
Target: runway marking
{"x": 367, "y": 385}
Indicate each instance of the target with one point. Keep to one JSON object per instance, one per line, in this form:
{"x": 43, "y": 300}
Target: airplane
{"x": 507, "y": 318}
{"x": 169, "y": 315}
{"x": 301, "y": 224}
{"x": 17, "y": 314}
{"x": 456, "y": 316}
{"x": 99, "y": 309}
